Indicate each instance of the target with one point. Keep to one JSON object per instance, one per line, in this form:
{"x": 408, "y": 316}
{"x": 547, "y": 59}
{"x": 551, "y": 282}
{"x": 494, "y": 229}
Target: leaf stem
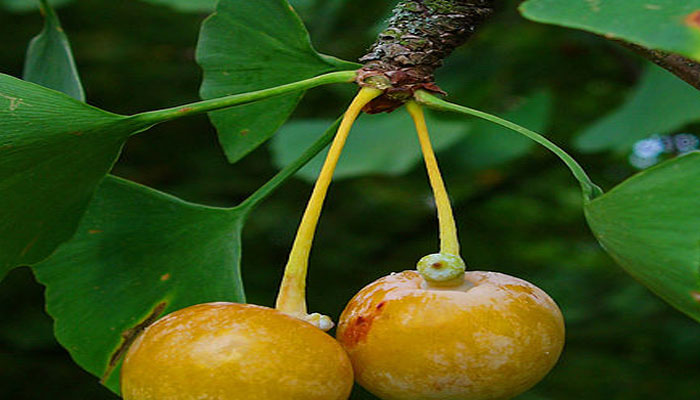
{"x": 449, "y": 243}
{"x": 590, "y": 190}
{"x": 265, "y": 190}
{"x": 292, "y": 294}
{"x": 154, "y": 117}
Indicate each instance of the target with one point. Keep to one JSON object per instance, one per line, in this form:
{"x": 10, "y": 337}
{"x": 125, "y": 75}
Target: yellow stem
{"x": 449, "y": 243}
{"x": 292, "y": 294}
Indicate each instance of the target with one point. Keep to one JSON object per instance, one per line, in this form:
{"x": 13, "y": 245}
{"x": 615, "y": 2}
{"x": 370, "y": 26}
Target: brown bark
{"x": 421, "y": 33}
{"x": 682, "y": 67}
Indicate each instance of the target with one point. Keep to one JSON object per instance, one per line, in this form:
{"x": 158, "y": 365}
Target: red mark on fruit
{"x": 693, "y": 19}
{"x": 164, "y": 277}
{"x": 357, "y": 331}
{"x": 359, "y": 327}
{"x": 94, "y": 231}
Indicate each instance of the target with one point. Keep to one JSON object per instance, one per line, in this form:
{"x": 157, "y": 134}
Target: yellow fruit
{"x": 492, "y": 336}
{"x": 229, "y": 351}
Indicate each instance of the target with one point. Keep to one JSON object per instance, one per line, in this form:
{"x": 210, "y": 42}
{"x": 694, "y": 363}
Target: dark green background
{"x": 522, "y": 218}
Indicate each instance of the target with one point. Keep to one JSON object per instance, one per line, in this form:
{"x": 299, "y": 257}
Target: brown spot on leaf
{"x": 164, "y": 277}
{"x": 94, "y": 231}
{"x": 244, "y": 132}
{"x": 693, "y": 19}
{"x": 29, "y": 245}
{"x": 128, "y": 337}
{"x": 184, "y": 109}
{"x": 77, "y": 133}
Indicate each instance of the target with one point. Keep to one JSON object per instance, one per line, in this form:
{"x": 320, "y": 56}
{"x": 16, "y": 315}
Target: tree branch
{"x": 421, "y": 33}
{"x": 682, "y": 67}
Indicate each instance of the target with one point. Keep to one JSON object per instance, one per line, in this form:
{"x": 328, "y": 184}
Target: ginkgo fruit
{"x": 445, "y": 334}
{"x": 492, "y": 336}
{"x": 229, "y": 351}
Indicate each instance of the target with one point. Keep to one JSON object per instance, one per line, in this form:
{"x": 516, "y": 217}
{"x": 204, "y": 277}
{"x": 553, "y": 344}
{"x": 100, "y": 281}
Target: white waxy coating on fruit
{"x": 492, "y": 338}
{"x": 228, "y": 351}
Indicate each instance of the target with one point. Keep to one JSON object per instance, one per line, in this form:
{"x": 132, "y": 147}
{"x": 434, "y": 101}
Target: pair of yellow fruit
{"x": 492, "y": 338}
{"x": 437, "y": 333}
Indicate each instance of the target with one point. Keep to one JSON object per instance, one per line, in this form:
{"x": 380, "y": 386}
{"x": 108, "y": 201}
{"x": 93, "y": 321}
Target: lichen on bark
{"x": 420, "y": 34}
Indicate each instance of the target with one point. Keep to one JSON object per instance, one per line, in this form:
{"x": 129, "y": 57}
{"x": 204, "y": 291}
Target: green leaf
{"x": 649, "y": 225}
{"x": 23, "y": 6}
{"x": 54, "y": 150}
{"x": 669, "y": 25}
{"x": 251, "y": 45}
{"x": 139, "y": 253}
{"x": 660, "y": 104}
{"x": 203, "y": 6}
{"x": 135, "y": 249}
{"x": 49, "y": 61}
{"x": 378, "y": 144}
{"x": 489, "y": 144}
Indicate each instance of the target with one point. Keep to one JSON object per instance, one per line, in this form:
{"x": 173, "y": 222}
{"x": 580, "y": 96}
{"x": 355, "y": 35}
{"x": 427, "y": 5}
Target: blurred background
{"x": 518, "y": 208}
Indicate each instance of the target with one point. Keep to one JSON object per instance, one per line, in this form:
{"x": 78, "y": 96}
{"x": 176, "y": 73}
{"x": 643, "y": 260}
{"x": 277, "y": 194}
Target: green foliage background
{"x": 521, "y": 216}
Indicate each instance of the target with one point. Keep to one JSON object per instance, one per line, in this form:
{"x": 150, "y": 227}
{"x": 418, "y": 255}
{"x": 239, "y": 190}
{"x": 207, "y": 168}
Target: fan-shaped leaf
{"x": 49, "y": 61}
{"x": 669, "y": 25}
{"x": 252, "y": 45}
{"x": 137, "y": 250}
{"x": 54, "y": 150}
{"x": 650, "y": 225}
{"x": 139, "y": 253}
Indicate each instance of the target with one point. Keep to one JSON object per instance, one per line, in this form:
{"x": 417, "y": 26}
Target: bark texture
{"x": 682, "y": 67}
{"x": 421, "y": 33}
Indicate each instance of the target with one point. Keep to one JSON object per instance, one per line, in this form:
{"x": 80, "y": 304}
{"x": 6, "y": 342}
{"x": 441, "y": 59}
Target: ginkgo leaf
{"x": 54, "y": 150}
{"x": 49, "y": 61}
{"x": 669, "y": 25}
{"x": 139, "y": 253}
{"x": 650, "y": 225}
{"x": 251, "y": 45}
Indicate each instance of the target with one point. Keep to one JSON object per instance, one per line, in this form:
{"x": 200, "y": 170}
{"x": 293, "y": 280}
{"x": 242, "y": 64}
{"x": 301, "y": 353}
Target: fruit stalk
{"x": 449, "y": 242}
{"x": 421, "y": 33}
{"x": 291, "y": 298}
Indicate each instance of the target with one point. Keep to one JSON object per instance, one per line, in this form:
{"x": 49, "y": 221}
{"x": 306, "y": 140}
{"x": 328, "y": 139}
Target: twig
{"x": 682, "y": 67}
